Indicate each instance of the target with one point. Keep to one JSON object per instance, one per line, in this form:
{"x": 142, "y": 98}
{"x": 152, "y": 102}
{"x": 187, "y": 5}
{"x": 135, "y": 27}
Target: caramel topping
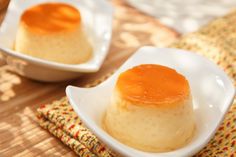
{"x": 51, "y": 17}
{"x": 152, "y": 84}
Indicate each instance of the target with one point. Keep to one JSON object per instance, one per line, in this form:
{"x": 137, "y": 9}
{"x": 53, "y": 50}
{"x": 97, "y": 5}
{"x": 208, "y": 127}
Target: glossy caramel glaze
{"x": 152, "y": 84}
{"x": 51, "y": 17}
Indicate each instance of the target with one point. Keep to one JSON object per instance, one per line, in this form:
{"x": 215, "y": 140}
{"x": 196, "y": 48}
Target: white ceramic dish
{"x": 212, "y": 92}
{"x": 97, "y": 21}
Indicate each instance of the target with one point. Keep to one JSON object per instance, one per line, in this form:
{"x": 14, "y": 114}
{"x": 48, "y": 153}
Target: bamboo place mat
{"x": 20, "y": 134}
{"x": 216, "y": 41}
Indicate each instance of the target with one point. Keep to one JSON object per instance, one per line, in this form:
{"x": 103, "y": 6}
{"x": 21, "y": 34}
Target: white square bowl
{"x": 211, "y": 89}
{"x": 97, "y": 20}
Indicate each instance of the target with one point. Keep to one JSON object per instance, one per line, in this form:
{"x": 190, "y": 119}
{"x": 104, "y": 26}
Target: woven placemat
{"x": 216, "y": 41}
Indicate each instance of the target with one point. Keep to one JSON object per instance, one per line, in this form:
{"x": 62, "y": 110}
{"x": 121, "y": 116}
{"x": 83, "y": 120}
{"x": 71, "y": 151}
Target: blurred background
{"x": 184, "y": 15}
{"x": 3, "y": 6}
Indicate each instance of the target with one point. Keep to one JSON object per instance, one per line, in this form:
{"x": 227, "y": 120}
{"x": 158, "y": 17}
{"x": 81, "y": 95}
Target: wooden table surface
{"x": 20, "y": 134}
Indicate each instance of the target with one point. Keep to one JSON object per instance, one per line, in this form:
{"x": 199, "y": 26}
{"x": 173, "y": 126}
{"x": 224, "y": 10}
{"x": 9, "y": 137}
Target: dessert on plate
{"x": 151, "y": 109}
{"x": 53, "y": 31}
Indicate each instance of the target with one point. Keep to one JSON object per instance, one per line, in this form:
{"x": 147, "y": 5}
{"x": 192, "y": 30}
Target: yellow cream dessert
{"x": 151, "y": 109}
{"x": 53, "y": 31}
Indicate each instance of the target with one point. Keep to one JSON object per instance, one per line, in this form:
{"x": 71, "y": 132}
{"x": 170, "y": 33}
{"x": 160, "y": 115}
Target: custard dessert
{"x": 53, "y": 31}
{"x": 151, "y": 109}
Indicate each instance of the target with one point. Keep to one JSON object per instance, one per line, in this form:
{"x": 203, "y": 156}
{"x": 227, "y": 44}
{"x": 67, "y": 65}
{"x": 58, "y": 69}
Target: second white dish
{"x": 97, "y": 20}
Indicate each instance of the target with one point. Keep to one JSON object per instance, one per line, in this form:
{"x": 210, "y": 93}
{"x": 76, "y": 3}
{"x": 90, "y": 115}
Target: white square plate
{"x": 211, "y": 89}
{"x": 97, "y": 20}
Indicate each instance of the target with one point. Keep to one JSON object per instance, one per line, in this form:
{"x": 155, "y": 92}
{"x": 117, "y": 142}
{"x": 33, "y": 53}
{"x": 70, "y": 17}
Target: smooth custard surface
{"x": 151, "y": 109}
{"x": 54, "y": 32}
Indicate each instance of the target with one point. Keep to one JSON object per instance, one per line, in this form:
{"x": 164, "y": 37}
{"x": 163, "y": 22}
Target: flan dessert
{"x": 54, "y": 32}
{"x": 151, "y": 109}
